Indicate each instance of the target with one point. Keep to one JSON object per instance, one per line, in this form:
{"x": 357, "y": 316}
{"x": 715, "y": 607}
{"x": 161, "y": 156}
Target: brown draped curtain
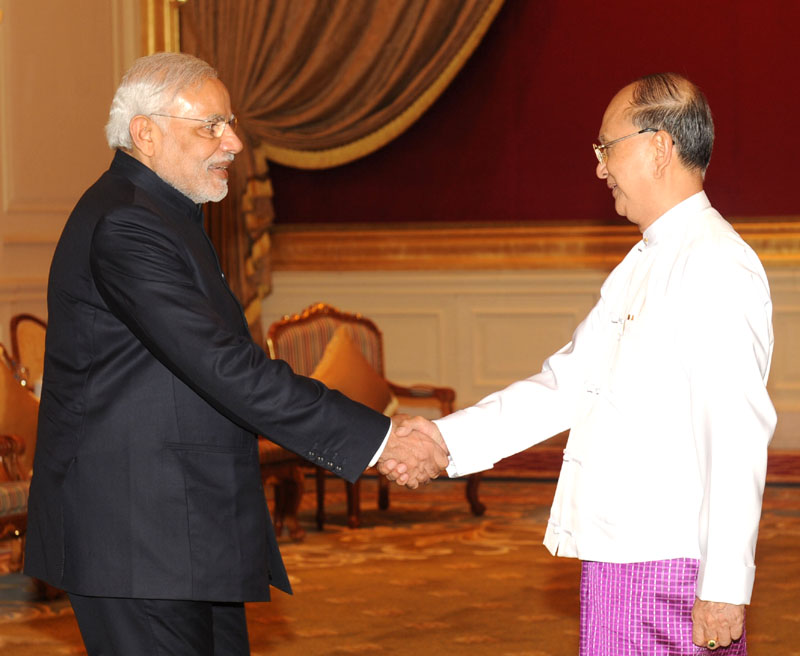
{"x": 316, "y": 84}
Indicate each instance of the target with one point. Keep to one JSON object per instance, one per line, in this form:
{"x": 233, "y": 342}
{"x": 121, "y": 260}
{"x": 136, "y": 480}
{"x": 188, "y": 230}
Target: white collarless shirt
{"x": 663, "y": 388}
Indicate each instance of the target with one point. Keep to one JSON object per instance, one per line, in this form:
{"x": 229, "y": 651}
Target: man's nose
{"x": 601, "y": 170}
{"x": 230, "y": 141}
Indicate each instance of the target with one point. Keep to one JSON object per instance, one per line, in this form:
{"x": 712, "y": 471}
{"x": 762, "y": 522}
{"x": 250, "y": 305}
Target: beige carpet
{"x": 427, "y": 577}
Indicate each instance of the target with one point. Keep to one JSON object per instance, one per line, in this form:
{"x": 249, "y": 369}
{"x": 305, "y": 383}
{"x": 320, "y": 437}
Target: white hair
{"x": 149, "y": 87}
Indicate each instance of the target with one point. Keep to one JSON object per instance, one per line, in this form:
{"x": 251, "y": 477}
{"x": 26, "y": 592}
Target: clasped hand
{"x": 415, "y": 452}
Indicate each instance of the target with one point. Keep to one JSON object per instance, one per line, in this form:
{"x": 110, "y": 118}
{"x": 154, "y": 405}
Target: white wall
{"x": 479, "y": 331}
{"x": 60, "y": 62}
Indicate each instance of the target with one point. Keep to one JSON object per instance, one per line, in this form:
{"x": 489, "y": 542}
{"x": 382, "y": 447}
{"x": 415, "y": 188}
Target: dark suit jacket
{"x": 146, "y": 477}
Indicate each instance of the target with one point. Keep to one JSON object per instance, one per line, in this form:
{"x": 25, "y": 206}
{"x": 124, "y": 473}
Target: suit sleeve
{"x": 154, "y": 283}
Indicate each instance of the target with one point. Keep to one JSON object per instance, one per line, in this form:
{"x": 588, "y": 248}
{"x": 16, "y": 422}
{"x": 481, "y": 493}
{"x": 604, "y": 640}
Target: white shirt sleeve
{"x": 378, "y": 453}
{"x": 524, "y": 413}
{"x": 729, "y": 346}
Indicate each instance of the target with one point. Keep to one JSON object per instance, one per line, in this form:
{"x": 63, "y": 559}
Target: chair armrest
{"x": 11, "y": 446}
{"x": 270, "y": 453}
{"x": 425, "y": 395}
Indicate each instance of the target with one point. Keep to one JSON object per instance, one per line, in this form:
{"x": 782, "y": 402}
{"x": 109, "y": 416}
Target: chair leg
{"x": 279, "y": 510}
{"x": 293, "y": 496}
{"x": 473, "y": 481}
{"x": 353, "y": 504}
{"x": 45, "y": 591}
{"x": 383, "y": 493}
{"x": 16, "y": 543}
{"x": 320, "y": 498}
{"x": 288, "y": 485}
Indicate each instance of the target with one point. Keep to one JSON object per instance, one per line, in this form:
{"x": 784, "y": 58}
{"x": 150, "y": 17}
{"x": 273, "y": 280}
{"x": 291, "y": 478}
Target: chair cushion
{"x": 13, "y": 498}
{"x": 344, "y": 368}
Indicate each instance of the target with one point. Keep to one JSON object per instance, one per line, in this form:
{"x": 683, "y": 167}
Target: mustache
{"x": 223, "y": 161}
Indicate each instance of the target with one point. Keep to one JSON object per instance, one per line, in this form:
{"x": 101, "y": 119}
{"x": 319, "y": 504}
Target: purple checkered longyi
{"x": 642, "y": 609}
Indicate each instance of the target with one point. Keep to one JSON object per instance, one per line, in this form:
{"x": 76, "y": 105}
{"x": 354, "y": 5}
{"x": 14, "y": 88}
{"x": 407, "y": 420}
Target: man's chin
{"x": 211, "y": 193}
{"x": 210, "y": 196}
{"x": 222, "y": 193}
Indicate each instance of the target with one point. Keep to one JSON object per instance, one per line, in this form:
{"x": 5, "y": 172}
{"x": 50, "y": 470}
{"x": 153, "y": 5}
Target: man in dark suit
{"x": 146, "y": 502}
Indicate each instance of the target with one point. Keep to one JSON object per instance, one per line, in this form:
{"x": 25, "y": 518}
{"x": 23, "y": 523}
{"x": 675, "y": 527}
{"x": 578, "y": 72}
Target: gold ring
{"x": 711, "y": 644}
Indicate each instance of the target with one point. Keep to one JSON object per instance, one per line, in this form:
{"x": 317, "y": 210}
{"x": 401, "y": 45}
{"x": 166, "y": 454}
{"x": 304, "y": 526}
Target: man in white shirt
{"x": 663, "y": 388}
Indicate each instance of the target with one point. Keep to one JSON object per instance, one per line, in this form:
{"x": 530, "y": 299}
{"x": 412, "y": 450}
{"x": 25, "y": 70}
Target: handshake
{"x": 414, "y": 453}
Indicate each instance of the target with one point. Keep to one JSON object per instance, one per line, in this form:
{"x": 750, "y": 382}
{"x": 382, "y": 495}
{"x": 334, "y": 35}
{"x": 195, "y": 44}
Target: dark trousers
{"x": 157, "y": 627}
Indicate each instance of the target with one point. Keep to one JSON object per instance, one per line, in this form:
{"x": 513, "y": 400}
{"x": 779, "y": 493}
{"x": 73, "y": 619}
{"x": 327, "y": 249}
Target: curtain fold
{"x": 316, "y": 84}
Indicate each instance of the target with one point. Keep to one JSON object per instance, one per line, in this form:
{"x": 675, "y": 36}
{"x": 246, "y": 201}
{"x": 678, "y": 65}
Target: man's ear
{"x": 144, "y": 135}
{"x": 664, "y": 152}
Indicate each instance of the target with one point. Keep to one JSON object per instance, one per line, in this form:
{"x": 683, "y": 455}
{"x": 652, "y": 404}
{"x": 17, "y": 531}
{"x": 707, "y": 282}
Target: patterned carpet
{"x": 428, "y": 577}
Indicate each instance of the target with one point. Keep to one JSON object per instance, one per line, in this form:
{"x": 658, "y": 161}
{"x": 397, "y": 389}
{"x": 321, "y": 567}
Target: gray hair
{"x": 670, "y": 102}
{"x": 149, "y": 87}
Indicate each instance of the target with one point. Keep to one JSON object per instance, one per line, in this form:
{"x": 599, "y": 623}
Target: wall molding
{"x": 27, "y": 238}
{"x": 478, "y": 331}
{"x": 345, "y": 247}
{"x": 543, "y": 461}
{"x": 23, "y": 289}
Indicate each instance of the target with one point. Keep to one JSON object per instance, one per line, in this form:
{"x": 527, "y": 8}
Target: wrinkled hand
{"x": 412, "y": 457}
{"x": 717, "y": 621}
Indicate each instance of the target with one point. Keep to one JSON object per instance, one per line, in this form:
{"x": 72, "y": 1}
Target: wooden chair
{"x": 19, "y": 410}
{"x": 301, "y": 340}
{"x": 18, "y": 419}
{"x": 13, "y": 501}
{"x": 19, "y": 416}
{"x": 27, "y": 346}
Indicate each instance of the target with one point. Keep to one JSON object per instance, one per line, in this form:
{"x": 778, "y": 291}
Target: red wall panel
{"x": 510, "y": 139}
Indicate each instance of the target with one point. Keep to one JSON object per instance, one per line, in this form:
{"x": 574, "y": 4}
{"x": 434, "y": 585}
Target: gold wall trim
{"x": 160, "y": 26}
{"x": 360, "y": 248}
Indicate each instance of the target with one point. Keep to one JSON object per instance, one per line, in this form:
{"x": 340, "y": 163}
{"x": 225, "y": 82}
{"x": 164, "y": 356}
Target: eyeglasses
{"x": 214, "y": 127}
{"x": 600, "y": 150}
